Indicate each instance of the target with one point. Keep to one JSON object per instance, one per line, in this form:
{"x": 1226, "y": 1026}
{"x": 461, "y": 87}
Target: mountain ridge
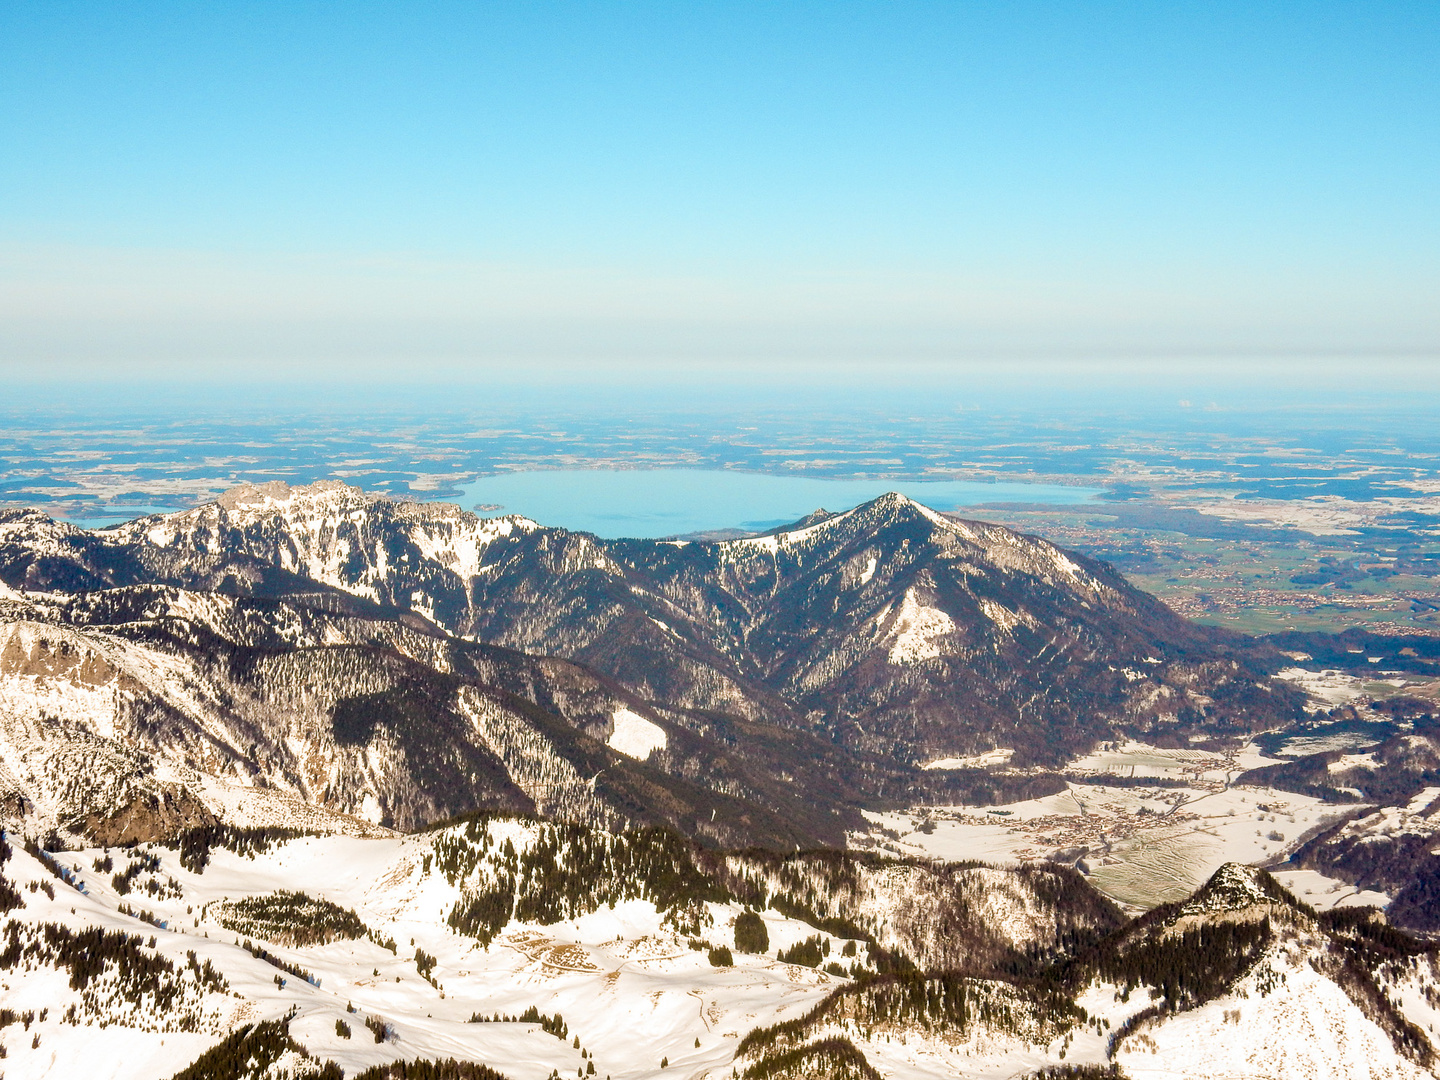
{"x": 795, "y": 628}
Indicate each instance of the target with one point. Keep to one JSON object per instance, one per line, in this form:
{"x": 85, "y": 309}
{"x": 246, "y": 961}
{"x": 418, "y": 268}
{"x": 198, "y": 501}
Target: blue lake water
{"x": 673, "y": 502}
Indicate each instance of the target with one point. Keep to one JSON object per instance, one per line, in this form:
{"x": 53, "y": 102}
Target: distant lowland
{"x": 1281, "y": 521}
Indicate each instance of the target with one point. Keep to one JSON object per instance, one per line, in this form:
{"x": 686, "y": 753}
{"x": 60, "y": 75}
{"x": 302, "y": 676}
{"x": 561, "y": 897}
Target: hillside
{"x": 1239, "y": 980}
{"x": 132, "y": 713}
{"x": 506, "y": 941}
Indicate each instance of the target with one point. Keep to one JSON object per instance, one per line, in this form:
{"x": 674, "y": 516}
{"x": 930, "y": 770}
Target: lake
{"x": 616, "y": 503}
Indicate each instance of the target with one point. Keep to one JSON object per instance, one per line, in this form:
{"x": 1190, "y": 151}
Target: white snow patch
{"x": 1353, "y": 761}
{"x": 999, "y": 756}
{"x": 1326, "y": 689}
{"x": 1423, "y": 800}
{"x": 775, "y": 541}
{"x": 929, "y": 515}
{"x": 1002, "y": 616}
{"x": 1065, "y": 564}
{"x": 760, "y": 543}
{"x": 634, "y": 736}
{"x": 1323, "y": 892}
{"x": 916, "y": 628}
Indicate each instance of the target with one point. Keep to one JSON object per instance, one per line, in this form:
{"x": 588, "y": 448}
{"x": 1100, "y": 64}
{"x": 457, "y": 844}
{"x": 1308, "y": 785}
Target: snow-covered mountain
{"x": 324, "y": 650}
{"x": 888, "y": 629}
{"x": 134, "y": 713}
{"x": 311, "y": 783}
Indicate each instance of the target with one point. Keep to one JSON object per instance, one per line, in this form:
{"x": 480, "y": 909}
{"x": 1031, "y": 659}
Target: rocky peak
{"x": 1235, "y": 888}
{"x": 893, "y": 508}
{"x": 277, "y": 491}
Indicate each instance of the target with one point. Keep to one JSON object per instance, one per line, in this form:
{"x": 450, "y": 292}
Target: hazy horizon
{"x": 453, "y": 192}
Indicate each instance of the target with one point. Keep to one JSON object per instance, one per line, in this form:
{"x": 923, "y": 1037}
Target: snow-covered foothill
{"x": 1283, "y": 1020}
{"x": 613, "y": 973}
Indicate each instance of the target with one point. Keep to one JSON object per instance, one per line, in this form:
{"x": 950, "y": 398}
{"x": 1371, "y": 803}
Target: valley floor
{"x": 1142, "y": 845}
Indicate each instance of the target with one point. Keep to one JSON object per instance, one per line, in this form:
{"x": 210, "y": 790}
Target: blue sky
{"x": 457, "y": 188}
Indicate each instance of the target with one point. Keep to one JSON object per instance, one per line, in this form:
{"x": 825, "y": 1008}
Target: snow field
{"x": 1322, "y": 892}
{"x": 1283, "y": 1020}
{"x": 634, "y": 736}
{"x": 632, "y": 990}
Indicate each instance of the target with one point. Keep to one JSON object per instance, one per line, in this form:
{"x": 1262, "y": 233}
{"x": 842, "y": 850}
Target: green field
{"x": 1255, "y": 580}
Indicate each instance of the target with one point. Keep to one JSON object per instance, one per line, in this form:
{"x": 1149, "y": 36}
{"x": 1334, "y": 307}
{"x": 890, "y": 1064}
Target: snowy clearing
{"x": 634, "y": 736}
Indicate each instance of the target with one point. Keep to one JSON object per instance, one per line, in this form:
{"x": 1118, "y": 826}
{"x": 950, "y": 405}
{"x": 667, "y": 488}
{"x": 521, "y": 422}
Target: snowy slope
{"x": 624, "y": 975}
{"x": 1238, "y": 981}
{"x": 609, "y": 939}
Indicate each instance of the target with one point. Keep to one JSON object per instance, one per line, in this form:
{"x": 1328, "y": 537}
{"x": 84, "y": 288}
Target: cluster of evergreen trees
{"x": 195, "y": 845}
{"x": 1037, "y": 1011}
{"x": 449, "y": 1069}
{"x": 142, "y": 863}
{"x": 52, "y": 864}
{"x": 290, "y": 918}
{"x": 141, "y": 976}
{"x": 1191, "y": 967}
{"x": 825, "y": 1059}
{"x": 551, "y": 1025}
{"x": 249, "y": 1054}
{"x": 10, "y": 897}
{"x": 141, "y": 914}
{"x": 808, "y": 953}
{"x": 568, "y": 871}
{"x": 260, "y": 953}
{"x": 751, "y": 936}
